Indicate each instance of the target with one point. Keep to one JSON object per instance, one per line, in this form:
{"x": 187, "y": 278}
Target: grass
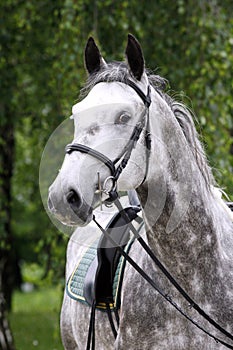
{"x": 34, "y": 319}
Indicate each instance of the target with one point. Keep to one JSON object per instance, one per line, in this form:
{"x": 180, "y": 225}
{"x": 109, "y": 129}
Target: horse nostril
{"x": 50, "y": 204}
{"x": 73, "y": 199}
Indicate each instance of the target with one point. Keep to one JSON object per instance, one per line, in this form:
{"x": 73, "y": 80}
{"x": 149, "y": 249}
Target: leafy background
{"x": 190, "y": 43}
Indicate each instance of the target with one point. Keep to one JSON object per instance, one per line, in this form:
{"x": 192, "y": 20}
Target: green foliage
{"x": 32, "y": 273}
{"x": 41, "y": 66}
{"x": 42, "y": 44}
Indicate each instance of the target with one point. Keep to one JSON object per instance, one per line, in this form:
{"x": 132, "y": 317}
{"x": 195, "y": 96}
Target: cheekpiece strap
{"x": 145, "y": 98}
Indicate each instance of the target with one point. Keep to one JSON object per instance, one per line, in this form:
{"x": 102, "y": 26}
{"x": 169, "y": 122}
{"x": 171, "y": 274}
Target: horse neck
{"x": 182, "y": 219}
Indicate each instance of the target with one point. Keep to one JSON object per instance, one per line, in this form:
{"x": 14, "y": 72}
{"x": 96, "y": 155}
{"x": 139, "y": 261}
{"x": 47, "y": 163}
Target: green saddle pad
{"x": 75, "y": 284}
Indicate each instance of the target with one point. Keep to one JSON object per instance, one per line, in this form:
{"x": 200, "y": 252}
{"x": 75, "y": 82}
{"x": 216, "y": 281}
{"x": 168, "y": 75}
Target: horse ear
{"x": 93, "y": 58}
{"x": 135, "y": 57}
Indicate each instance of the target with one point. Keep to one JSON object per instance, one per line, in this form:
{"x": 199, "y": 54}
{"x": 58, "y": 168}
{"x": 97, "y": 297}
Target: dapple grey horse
{"x": 187, "y": 224}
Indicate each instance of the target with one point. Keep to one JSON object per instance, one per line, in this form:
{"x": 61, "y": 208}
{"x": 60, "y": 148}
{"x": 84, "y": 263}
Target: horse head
{"x": 129, "y": 134}
{"x": 104, "y": 123}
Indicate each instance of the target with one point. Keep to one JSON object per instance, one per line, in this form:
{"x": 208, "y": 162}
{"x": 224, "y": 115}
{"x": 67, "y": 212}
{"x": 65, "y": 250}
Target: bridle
{"x": 113, "y": 197}
{"x": 127, "y": 150}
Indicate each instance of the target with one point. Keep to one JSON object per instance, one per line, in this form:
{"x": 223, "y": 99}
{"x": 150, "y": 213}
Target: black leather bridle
{"x": 113, "y": 197}
{"x": 127, "y": 151}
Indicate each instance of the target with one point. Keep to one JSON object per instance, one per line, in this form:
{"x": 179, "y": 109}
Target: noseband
{"x": 126, "y": 153}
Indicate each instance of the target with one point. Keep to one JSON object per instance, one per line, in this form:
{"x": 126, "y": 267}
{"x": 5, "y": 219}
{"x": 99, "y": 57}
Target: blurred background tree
{"x": 41, "y": 63}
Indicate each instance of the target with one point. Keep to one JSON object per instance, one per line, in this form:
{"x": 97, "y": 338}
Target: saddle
{"x": 99, "y": 274}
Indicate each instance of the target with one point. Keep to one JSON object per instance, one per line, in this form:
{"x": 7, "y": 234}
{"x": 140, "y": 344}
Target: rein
{"x": 113, "y": 198}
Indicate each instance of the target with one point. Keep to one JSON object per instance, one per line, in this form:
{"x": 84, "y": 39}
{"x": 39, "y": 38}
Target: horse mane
{"x": 118, "y": 71}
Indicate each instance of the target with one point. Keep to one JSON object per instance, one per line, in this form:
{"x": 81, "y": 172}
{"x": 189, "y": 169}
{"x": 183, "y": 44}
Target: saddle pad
{"x": 75, "y": 284}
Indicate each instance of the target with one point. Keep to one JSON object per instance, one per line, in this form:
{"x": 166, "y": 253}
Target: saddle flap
{"x": 100, "y": 275}
{"x": 89, "y": 287}
{"x": 75, "y": 284}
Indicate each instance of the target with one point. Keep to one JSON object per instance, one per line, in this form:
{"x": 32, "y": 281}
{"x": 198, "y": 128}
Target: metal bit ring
{"x": 113, "y": 188}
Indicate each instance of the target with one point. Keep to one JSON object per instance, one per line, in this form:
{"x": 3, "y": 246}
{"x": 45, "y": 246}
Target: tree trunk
{"x": 7, "y": 261}
{"x": 6, "y": 339}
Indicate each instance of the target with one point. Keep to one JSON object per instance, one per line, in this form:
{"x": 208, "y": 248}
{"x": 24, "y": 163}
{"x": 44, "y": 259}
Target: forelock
{"x": 118, "y": 71}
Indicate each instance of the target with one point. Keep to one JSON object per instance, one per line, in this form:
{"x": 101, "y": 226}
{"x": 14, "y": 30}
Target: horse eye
{"x": 123, "y": 118}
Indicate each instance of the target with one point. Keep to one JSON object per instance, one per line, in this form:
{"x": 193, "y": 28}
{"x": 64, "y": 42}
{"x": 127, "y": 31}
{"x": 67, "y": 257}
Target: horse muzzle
{"x": 70, "y": 208}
